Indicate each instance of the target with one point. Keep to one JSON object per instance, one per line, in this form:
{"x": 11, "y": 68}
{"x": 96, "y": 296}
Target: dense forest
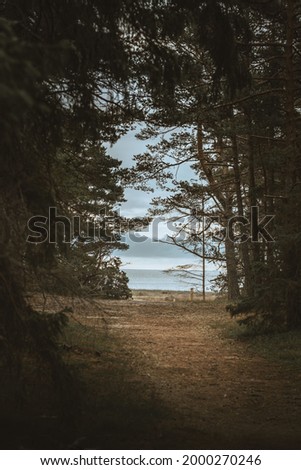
{"x": 217, "y": 84}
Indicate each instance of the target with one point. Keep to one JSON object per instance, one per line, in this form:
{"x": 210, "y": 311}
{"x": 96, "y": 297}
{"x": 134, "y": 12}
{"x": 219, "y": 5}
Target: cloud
{"x": 139, "y": 245}
{"x": 137, "y": 203}
{"x": 156, "y": 263}
{"x": 144, "y": 253}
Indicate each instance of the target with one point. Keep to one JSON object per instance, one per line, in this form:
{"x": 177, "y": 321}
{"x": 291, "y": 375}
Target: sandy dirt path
{"x": 219, "y": 393}
{"x": 167, "y": 374}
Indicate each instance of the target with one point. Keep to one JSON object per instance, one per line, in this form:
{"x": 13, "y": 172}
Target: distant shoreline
{"x": 172, "y": 290}
{"x": 170, "y": 295}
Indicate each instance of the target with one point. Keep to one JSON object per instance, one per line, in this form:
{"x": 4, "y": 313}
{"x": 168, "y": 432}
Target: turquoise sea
{"x": 151, "y": 279}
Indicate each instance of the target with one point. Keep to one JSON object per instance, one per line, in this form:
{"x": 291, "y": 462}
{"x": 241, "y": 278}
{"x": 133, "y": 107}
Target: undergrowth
{"x": 283, "y": 346}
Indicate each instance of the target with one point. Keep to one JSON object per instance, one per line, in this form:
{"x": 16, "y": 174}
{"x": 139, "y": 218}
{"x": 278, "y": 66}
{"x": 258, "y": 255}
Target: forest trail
{"x": 218, "y": 393}
{"x": 161, "y": 374}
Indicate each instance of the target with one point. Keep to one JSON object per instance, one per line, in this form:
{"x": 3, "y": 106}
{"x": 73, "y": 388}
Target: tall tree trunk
{"x": 232, "y": 275}
{"x": 240, "y": 209}
{"x": 291, "y": 254}
{"x": 223, "y": 202}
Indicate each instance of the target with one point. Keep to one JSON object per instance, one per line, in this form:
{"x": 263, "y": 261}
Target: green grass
{"x": 283, "y": 346}
{"x": 88, "y": 338}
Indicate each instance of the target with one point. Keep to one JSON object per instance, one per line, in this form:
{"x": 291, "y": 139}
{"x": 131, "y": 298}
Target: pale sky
{"x": 147, "y": 254}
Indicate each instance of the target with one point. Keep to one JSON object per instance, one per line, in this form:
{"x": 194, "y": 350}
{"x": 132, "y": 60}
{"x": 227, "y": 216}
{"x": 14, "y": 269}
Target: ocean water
{"x": 151, "y": 279}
